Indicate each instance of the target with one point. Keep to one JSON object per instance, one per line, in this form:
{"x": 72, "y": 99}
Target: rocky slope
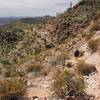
{"x": 37, "y": 53}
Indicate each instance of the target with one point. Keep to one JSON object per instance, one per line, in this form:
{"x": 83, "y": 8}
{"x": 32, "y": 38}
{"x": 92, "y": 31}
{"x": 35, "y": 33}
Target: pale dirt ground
{"x": 93, "y": 81}
{"x": 41, "y": 86}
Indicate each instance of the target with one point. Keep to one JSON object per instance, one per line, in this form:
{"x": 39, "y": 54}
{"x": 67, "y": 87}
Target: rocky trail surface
{"x": 40, "y": 86}
{"x": 93, "y": 80}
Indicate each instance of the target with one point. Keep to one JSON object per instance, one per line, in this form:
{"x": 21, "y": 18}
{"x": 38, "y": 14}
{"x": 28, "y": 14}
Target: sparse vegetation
{"x": 58, "y": 60}
{"x": 38, "y": 69}
{"x": 94, "y": 44}
{"x": 95, "y": 27}
{"x": 5, "y": 61}
{"x": 37, "y": 51}
{"x": 61, "y": 58}
{"x": 85, "y": 68}
{"x": 69, "y": 64}
{"x": 10, "y": 71}
{"x": 65, "y": 82}
{"x": 34, "y": 68}
{"x": 37, "y": 48}
{"x": 12, "y": 89}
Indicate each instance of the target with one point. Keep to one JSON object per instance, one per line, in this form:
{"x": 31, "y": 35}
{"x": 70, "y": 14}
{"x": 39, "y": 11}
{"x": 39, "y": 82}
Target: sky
{"x": 33, "y": 7}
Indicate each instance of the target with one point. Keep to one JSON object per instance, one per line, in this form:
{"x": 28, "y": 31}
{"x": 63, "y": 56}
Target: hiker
{"x": 76, "y": 53}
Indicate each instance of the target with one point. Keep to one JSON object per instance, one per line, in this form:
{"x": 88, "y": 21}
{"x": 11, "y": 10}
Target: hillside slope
{"x": 45, "y": 55}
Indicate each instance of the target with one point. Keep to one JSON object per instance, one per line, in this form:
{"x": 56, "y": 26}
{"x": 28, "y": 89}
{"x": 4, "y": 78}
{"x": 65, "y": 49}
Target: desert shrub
{"x": 61, "y": 58}
{"x": 12, "y": 89}
{"x": 66, "y": 54}
{"x": 46, "y": 70}
{"x": 5, "y": 61}
{"x": 34, "y": 68}
{"x": 85, "y": 68}
{"x": 81, "y": 53}
{"x": 69, "y": 64}
{"x": 95, "y": 27}
{"x": 38, "y": 70}
{"x": 94, "y": 44}
{"x": 10, "y": 71}
{"x": 88, "y": 35}
{"x": 58, "y": 60}
{"x": 66, "y": 82}
{"x": 37, "y": 51}
{"x": 82, "y": 2}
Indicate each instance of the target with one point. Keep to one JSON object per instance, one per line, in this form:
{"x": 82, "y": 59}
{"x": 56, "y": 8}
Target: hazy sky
{"x": 33, "y": 7}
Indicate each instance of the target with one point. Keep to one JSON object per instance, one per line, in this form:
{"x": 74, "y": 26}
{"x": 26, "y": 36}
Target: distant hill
{"x": 7, "y": 20}
{"x": 36, "y": 20}
{"x": 34, "y": 38}
{"x": 26, "y": 20}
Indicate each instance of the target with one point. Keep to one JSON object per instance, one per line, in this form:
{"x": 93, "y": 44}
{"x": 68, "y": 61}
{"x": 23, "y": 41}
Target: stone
{"x": 69, "y": 98}
{"x": 35, "y": 98}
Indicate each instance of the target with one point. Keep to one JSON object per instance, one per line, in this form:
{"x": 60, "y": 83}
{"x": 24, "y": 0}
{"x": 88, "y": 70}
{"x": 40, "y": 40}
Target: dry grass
{"x": 38, "y": 69}
{"x": 94, "y": 44}
{"x": 85, "y": 68}
{"x": 11, "y": 89}
{"x": 65, "y": 82}
{"x": 96, "y": 27}
{"x": 69, "y": 64}
{"x": 61, "y": 58}
{"x": 34, "y": 68}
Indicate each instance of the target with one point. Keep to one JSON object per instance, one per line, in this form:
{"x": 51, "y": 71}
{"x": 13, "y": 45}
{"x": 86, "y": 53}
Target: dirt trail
{"x": 93, "y": 81}
{"x": 39, "y": 87}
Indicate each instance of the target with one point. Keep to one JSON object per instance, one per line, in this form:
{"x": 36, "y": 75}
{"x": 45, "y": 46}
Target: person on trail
{"x": 76, "y": 53}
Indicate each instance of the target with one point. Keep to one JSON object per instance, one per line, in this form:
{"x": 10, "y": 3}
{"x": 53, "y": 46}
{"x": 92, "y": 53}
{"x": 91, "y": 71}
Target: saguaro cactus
{"x": 71, "y": 4}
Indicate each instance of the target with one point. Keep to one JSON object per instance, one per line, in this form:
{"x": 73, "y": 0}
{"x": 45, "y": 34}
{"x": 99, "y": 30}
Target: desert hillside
{"x": 52, "y": 58}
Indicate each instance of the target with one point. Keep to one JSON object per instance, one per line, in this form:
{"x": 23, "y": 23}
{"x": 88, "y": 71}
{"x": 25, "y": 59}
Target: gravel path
{"x": 93, "y": 81}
